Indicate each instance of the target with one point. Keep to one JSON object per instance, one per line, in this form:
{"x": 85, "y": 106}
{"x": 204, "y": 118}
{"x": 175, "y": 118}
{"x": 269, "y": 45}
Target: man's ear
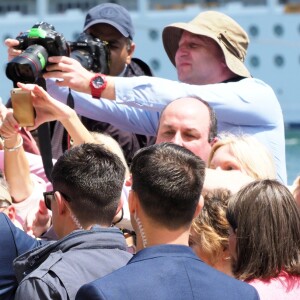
{"x": 199, "y": 207}
{"x": 214, "y": 140}
{"x": 130, "y": 51}
{"x": 60, "y": 203}
{"x": 132, "y": 202}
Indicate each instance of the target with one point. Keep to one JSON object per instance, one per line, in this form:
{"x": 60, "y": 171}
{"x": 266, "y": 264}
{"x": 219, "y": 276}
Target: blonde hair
{"x": 210, "y": 229}
{"x": 252, "y": 155}
{"x": 112, "y": 145}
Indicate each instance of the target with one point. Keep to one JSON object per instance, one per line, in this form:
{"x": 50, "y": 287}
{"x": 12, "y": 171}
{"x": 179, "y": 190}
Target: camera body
{"x": 40, "y": 42}
{"x": 44, "y": 34}
{"x": 92, "y": 53}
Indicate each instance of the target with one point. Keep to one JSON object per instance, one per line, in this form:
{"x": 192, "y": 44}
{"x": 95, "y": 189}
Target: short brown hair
{"x": 168, "y": 180}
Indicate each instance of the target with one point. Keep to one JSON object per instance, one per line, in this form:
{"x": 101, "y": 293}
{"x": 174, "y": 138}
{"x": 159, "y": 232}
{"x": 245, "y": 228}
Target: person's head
{"x": 264, "y": 237}
{"x": 167, "y": 180}
{"x": 87, "y": 183}
{"x": 211, "y": 48}
{"x": 244, "y": 153}
{"x": 189, "y": 122}
{"x": 112, "y": 145}
{"x": 209, "y": 232}
{"x": 112, "y": 23}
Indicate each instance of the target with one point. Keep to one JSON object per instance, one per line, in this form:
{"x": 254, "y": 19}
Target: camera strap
{"x": 66, "y": 137}
{"x": 44, "y": 136}
{"x": 45, "y": 140}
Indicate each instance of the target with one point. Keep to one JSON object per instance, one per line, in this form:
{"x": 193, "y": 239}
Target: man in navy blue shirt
{"x": 167, "y": 181}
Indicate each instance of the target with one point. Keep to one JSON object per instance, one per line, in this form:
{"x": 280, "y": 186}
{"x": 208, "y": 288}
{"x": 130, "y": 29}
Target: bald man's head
{"x": 188, "y": 122}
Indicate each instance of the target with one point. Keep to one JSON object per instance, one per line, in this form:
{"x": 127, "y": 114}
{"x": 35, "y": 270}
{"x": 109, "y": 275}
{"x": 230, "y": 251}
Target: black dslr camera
{"x": 92, "y": 53}
{"x": 40, "y": 42}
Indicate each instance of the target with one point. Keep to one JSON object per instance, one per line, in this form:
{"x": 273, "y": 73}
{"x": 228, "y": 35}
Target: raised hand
{"x": 12, "y": 52}
{"x": 47, "y": 108}
{"x": 69, "y": 72}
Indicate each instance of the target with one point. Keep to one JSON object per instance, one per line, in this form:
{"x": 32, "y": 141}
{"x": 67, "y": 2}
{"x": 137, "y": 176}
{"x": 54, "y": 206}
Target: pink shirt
{"x": 283, "y": 287}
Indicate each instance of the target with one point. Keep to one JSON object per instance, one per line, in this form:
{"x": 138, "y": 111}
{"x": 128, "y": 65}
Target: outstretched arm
{"x": 49, "y": 109}
{"x": 16, "y": 167}
{"x": 72, "y": 74}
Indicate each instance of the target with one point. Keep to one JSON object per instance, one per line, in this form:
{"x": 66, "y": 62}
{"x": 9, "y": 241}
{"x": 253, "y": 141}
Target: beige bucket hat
{"x": 227, "y": 33}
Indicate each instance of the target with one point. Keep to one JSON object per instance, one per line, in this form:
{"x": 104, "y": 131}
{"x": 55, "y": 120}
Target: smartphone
{"x": 22, "y": 105}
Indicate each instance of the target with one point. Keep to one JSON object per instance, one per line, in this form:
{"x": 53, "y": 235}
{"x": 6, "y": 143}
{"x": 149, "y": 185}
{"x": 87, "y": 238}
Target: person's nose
{"x": 177, "y": 139}
{"x": 182, "y": 50}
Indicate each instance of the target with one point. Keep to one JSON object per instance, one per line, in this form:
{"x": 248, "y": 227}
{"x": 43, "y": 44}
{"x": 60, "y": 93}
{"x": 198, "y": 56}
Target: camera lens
{"x": 83, "y": 57}
{"x": 28, "y": 66}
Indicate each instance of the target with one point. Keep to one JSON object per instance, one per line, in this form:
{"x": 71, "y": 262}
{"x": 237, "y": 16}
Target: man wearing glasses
{"x": 87, "y": 184}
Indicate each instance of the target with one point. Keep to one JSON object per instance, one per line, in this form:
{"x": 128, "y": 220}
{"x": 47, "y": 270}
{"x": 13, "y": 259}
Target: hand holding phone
{"x": 22, "y": 107}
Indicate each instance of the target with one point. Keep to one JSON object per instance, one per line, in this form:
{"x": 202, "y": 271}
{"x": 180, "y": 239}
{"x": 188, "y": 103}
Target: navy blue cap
{"x": 112, "y": 14}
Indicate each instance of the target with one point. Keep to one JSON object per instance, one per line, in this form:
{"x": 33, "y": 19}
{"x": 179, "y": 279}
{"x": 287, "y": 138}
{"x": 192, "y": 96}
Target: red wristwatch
{"x": 98, "y": 84}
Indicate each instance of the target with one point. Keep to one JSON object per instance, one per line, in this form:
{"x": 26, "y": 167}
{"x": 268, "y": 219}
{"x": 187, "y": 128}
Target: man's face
{"x": 120, "y": 52}
{"x": 186, "y": 122}
{"x": 199, "y": 60}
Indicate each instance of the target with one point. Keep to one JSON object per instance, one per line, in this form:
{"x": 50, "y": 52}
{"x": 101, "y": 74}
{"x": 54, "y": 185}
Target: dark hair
{"x": 92, "y": 177}
{"x": 213, "y": 125}
{"x": 213, "y": 122}
{"x": 266, "y": 220}
{"x": 168, "y": 180}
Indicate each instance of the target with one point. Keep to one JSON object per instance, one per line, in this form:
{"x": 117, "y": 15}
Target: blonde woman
{"x": 244, "y": 153}
{"x": 209, "y": 232}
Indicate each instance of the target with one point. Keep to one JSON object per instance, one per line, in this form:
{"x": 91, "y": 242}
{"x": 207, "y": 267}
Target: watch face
{"x": 97, "y": 82}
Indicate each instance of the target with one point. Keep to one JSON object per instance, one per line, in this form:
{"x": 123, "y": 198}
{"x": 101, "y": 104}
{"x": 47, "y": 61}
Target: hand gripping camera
{"x": 92, "y": 53}
{"x": 42, "y": 41}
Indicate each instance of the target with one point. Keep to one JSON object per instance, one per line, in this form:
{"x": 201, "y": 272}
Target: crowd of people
{"x": 159, "y": 189}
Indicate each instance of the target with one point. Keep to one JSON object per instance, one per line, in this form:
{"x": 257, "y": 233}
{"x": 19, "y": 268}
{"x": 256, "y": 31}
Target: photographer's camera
{"x": 42, "y": 41}
{"x": 92, "y": 53}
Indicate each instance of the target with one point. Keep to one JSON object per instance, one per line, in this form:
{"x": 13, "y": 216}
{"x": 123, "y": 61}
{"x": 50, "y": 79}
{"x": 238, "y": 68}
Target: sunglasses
{"x": 49, "y": 196}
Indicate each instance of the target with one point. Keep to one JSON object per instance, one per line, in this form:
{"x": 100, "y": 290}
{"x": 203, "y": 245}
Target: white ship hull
{"x": 273, "y": 55}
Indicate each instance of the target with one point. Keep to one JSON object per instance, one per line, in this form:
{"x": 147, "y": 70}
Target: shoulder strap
{"x": 45, "y": 140}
